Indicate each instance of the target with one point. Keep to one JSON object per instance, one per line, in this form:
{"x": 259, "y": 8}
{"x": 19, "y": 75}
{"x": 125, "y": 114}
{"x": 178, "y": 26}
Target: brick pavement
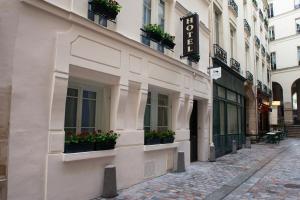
{"x": 202, "y": 178}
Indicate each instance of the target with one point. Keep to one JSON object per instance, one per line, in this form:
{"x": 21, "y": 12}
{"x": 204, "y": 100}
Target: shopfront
{"x": 228, "y": 111}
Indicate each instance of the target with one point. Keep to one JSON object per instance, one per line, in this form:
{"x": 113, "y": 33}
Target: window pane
{"x": 232, "y": 121}
{"x": 72, "y": 92}
{"x": 222, "y": 118}
{"x": 231, "y": 96}
{"x": 162, "y": 100}
{"x": 89, "y": 94}
{"x": 71, "y": 112}
{"x": 88, "y": 113}
{"x": 162, "y": 118}
{"x": 147, "y": 116}
{"x": 239, "y": 120}
{"x": 221, "y": 92}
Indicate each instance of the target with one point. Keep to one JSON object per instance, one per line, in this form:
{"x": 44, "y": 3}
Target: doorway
{"x": 194, "y": 132}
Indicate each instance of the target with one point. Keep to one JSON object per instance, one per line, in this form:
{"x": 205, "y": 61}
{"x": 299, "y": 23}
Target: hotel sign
{"x": 190, "y": 35}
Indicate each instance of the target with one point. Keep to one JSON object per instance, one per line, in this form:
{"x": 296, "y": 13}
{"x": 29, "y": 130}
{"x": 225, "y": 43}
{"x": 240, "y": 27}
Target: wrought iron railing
{"x": 220, "y": 53}
{"x": 234, "y": 6}
{"x": 265, "y": 88}
{"x": 261, "y": 15}
{"x": 249, "y": 76}
{"x": 255, "y": 3}
{"x": 263, "y": 51}
{"x": 259, "y": 85}
{"x": 235, "y": 65}
{"x": 247, "y": 27}
{"x": 257, "y": 41}
{"x": 268, "y": 58}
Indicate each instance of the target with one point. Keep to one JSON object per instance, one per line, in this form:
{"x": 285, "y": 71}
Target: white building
{"x": 240, "y": 47}
{"x": 284, "y": 31}
{"x": 62, "y": 71}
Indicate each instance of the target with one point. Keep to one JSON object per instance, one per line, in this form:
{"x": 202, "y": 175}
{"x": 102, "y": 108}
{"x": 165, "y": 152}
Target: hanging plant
{"x": 194, "y": 57}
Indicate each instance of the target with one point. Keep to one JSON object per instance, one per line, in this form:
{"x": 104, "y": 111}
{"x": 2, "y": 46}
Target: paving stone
{"x": 203, "y": 178}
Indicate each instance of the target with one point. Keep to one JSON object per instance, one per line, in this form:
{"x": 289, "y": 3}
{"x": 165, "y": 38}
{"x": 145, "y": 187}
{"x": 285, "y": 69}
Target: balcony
{"x": 247, "y": 27}
{"x": 235, "y": 65}
{"x": 257, "y": 42}
{"x": 261, "y": 15}
{"x": 259, "y": 85}
{"x": 265, "y": 89}
{"x": 263, "y": 51}
{"x": 220, "y": 53}
{"x": 233, "y": 6}
{"x": 249, "y": 77}
{"x": 266, "y": 23}
{"x": 268, "y": 58}
{"x": 255, "y": 4}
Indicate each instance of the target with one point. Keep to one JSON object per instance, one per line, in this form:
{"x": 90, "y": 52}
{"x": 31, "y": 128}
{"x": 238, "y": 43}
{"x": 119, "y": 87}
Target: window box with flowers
{"x": 159, "y": 137}
{"x": 90, "y": 141}
{"x": 155, "y": 33}
{"x": 107, "y": 8}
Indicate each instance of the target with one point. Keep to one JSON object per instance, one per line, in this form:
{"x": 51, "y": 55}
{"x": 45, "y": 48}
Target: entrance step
{"x": 293, "y": 131}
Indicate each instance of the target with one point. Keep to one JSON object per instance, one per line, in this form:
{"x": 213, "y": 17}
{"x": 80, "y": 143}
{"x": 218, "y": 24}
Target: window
{"x": 232, "y": 119}
{"x": 157, "y": 112}
{"x": 82, "y": 112}
{"x": 297, "y": 4}
{"x": 96, "y": 18}
{"x": 217, "y": 28}
{"x": 232, "y": 42}
{"x": 161, "y": 20}
{"x": 146, "y": 18}
{"x": 247, "y": 55}
{"x": 271, "y": 33}
{"x": 270, "y": 10}
{"x": 273, "y": 61}
{"x": 298, "y": 50}
{"x": 298, "y": 25}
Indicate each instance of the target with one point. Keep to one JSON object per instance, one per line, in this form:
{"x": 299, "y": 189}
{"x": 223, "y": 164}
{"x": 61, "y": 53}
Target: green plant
{"x": 168, "y": 37}
{"x": 115, "y": 6}
{"x": 71, "y": 138}
{"x": 194, "y": 57}
{"x": 109, "y": 136}
{"x": 167, "y": 134}
{"x": 154, "y": 31}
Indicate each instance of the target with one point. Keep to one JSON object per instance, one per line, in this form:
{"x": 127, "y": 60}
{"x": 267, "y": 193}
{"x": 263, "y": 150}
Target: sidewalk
{"x": 205, "y": 179}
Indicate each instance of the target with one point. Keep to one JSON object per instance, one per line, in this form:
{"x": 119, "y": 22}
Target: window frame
{"x": 154, "y": 109}
{"x": 273, "y": 58}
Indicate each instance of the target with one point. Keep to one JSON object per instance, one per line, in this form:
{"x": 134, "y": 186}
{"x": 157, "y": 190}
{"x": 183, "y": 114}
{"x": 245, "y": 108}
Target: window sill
{"x": 68, "y": 157}
{"x": 158, "y": 147}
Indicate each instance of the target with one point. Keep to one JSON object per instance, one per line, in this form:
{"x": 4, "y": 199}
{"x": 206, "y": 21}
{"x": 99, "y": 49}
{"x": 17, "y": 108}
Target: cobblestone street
{"x": 274, "y": 172}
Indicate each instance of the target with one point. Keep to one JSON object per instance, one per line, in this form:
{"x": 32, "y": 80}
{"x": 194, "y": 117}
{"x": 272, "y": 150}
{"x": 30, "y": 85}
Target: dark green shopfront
{"x": 228, "y": 109}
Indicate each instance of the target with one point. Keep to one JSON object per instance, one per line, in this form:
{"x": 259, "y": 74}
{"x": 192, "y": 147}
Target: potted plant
{"x": 108, "y": 8}
{"x": 154, "y": 32}
{"x": 79, "y": 142}
{"x": 105, "y": 141}
{"x": 194, "y": 58}
{"x": 167, "y": 137}
{"x": 151, "y": 138}
{"x": 168, "y": 40}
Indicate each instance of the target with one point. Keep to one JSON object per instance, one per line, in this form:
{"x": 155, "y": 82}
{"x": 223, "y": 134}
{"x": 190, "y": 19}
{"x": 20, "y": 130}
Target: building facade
{"x": 239, "y": 46}
{"x": 66, "y": 69}
{"x": 284, "y": 30}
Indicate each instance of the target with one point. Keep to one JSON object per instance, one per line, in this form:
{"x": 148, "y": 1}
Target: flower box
{"x": 107, "y": 8}
{"x": 167, "y": 140}
{"x": 79, "y": 147}
{"x": 159, "y": 137}
{"x": 105, "y": 145}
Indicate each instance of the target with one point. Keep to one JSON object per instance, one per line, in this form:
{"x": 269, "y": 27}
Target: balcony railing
{"x": 265, "y": 88}
{"x": 235, "y": 65}
{"x": 233, "y": 6}
{"x": 255, "y": 4}
{"x": 268, "y": 58}
{"x": 220, "y": 53}
{"x": 249, "y": 76}
{"x": 261, "y": 15}
{"x": 257, "y": 42}
{"x": 266, "y": 23}
{"x": 259, "y": 85}
{"x": 247, "y": 27}
{"x": 263, "y": 51}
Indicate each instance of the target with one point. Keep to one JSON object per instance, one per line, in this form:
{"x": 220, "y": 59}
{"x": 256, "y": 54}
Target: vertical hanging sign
{"x": 190, "y": 35}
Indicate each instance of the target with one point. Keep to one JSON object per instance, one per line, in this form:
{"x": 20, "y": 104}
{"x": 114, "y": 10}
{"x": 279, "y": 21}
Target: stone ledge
{"x": 68, "y": 157}
{"x": 158, "y": 147}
